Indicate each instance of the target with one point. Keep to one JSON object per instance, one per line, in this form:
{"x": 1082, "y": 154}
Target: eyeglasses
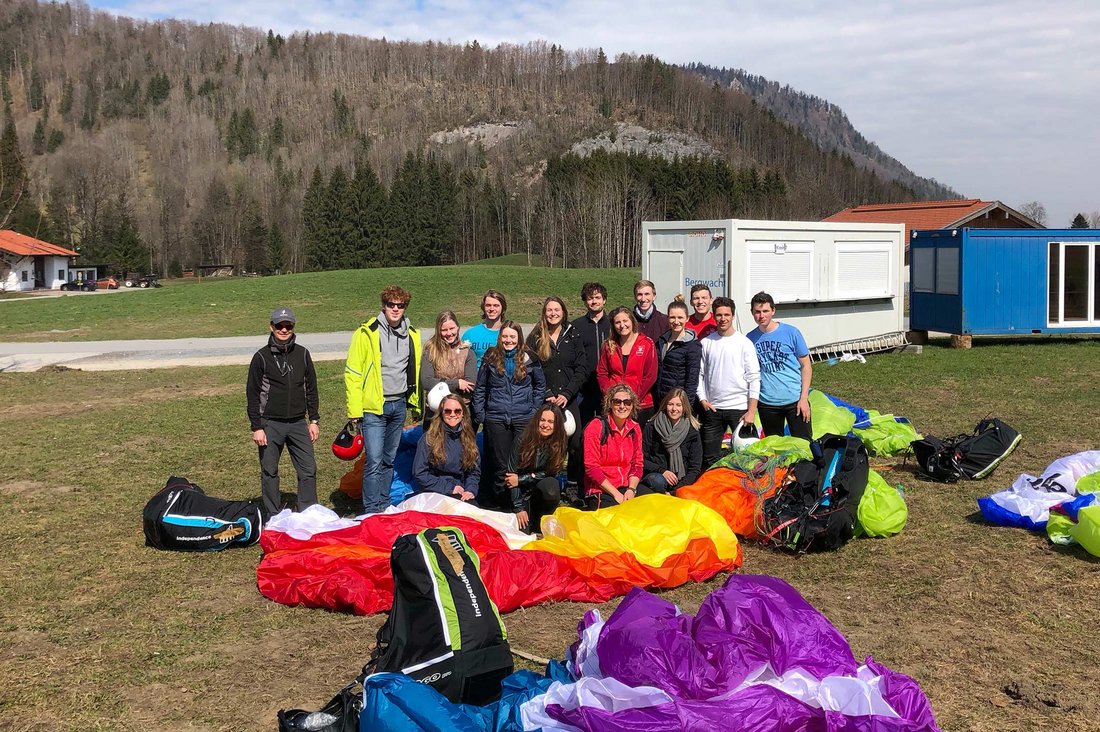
{"x": 452, "y": 412}
{"x": 284, "y": 326}
{"x": 396, "y": 305}
{"x": 622, "y": 402}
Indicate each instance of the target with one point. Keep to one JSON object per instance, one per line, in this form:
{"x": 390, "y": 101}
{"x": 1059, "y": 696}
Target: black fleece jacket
{"x": 282, "y": 384}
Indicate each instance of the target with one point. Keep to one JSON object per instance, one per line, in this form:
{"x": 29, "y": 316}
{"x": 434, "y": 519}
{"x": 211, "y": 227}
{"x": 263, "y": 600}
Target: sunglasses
{"x": 284, "y": 326}
{"x": 622, "y": 402}
{"x": 396, "y": 305}
{"x": 452, "y": 412}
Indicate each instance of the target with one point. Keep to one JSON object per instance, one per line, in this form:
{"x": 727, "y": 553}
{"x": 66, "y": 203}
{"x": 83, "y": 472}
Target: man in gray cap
{"x": 281, "y": 395}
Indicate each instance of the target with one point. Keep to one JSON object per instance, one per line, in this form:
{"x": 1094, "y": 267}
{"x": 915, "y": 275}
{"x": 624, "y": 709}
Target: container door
{"x": 666, "y": 269}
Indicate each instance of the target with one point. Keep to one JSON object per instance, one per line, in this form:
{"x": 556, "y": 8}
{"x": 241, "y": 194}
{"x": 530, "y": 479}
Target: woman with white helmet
{"x": 448, "y": 360}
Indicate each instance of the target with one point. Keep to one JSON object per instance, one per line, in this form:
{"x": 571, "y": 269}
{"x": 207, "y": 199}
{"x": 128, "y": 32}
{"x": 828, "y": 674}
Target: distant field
{"x": 323, "y": 301}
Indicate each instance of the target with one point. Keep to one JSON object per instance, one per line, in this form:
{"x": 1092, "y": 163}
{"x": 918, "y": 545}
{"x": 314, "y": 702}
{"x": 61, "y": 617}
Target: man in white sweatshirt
{"x": 729, "y": 381}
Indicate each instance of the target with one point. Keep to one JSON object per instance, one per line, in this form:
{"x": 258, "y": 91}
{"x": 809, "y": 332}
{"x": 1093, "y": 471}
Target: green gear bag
{"x": 882, "y": 510}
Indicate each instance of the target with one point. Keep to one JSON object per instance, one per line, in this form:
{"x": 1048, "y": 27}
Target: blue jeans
{"x": 381, "y": 438}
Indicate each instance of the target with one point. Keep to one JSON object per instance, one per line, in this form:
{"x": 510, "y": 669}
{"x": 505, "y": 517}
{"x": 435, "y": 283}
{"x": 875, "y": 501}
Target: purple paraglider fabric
{"x": 756, "y": 656}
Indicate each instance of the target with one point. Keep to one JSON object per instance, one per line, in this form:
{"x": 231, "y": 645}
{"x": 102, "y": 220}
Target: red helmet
{"x": 349, "y": 443}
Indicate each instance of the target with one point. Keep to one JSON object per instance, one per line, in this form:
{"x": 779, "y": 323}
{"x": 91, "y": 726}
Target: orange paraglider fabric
{"x": 735, "y": 495}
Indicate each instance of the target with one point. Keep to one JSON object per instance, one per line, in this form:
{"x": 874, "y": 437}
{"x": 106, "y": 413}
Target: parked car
{"x": 143, "y": 281}
{"x": 107, "y": 283}
{"x": 80, "y": 285}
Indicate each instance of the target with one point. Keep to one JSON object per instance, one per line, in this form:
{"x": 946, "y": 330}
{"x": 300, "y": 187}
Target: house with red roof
{"x": 27, "y": 263}
{"x": 951, "y": 214}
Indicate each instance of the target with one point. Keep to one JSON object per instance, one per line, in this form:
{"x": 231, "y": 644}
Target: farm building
{"x": 951, "y": 214}
{"x": 840, "y": 284}
{"x": 27, "y": 263}
{"x": 1005, "y": 282}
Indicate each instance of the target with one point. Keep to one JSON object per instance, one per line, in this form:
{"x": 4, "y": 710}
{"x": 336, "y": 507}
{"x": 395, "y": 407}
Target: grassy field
{"x": 322, "y": 301}
{"x": 99, "y": 632}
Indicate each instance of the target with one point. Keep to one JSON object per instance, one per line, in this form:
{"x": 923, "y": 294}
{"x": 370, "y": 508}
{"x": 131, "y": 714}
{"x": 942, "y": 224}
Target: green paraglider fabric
{"x": 886, "y": 436}
{"x": 882, "y": 510}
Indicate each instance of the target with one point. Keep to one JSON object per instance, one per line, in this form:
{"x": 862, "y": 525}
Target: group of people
{"x": 619, "y": 403}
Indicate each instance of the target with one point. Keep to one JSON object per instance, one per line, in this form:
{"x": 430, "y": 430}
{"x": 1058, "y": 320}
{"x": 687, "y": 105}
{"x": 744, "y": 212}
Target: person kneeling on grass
{"x": 447, "y": 460}
{"x": 672, "y": 450}
{"x": 613, "y": 451}
{"x": 531, "y": 478}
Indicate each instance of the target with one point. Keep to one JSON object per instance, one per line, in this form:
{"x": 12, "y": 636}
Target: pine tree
{"x": 36, "y": 95}
{"x": 38, "y": 139}
{"x": 371, "y": 215}
{"x": 17, "y": 209}
{"x": 1079, "y": 222}
{"x": 55, "y": 140}
{"x": 66, "y": 105}
{"x": 339, "y": 220}
{"x": 313, "y": 225}
{"x": 276, "y": 250}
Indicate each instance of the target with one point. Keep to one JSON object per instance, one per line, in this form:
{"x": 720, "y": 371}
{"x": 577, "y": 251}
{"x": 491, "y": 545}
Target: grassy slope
{"x": 100, "y": 632}
{"x": 323, "y": 301}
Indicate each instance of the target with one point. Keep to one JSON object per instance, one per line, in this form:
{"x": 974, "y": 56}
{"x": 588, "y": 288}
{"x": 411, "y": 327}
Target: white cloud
{"x": 997, "y": 99}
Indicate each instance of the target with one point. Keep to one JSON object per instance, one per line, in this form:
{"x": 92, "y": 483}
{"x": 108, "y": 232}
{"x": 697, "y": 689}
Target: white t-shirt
{"x": 729, "y": 374}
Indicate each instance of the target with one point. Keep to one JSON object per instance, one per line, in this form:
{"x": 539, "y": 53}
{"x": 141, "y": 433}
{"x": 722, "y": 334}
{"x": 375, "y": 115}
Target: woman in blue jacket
{"x": 446, "y": 459}
{"x": 678, "y": 356}
{"x": 510, "y": 387}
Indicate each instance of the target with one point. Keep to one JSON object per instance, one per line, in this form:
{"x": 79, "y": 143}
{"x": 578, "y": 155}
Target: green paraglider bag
{"x": 882, "y": 510}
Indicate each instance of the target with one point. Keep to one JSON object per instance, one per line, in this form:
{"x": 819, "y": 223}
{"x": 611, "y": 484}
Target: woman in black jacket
{"x": 531, "y": 478}
{"x": 672, "y": 452}
{"x": 564, "y": 364}
{"x": 678, "y": 356}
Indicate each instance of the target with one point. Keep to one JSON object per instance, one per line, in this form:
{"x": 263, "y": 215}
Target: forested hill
{"x": 825, "y": 124}
{"x": 163, "y": 145}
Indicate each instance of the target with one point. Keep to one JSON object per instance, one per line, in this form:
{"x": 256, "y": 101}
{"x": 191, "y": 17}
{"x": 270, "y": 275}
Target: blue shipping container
{"x": 1005, "y": 281}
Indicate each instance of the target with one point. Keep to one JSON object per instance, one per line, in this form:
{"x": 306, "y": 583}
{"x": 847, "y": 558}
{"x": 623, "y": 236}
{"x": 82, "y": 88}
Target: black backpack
{"x": 816, "y": 508}
{"x": 974, "y": 456}
{"x": 181, "y": 517}
{"x": 443, "y": 628}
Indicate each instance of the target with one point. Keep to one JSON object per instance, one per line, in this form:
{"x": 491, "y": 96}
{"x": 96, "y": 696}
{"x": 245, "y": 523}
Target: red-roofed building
{"x": 952, "y": 214}
{"x": 27, "y": 263}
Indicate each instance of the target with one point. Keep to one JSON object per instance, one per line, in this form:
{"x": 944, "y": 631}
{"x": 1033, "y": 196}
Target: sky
{"x": 999, "y": 100}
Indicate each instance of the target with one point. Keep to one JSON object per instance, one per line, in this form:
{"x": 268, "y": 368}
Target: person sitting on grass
{"x": 671, "y": 448}
{"x": 613, "y": 451}
{"x": 531, "y": 477}
{"x": 447, "y": 460}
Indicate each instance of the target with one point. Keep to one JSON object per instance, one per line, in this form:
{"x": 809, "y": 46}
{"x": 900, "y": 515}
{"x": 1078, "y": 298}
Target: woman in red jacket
{"x": 629, "y": 357}
{"x": 613, "y": 451}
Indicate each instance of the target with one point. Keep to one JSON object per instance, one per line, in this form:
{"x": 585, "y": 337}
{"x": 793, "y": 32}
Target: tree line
{"x": 201, "y": 144}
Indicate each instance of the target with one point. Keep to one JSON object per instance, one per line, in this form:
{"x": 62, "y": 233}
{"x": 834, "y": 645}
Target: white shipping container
{"x": 839, "y": 283}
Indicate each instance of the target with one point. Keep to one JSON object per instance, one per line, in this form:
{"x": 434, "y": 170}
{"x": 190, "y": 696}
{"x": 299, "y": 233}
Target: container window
{"x": 783, "y": 269}
{"x": 947, "y": 271}
{"x": 923, "y": 270}
{"x": 1075, "y": 301}
{"x": 1054, "y": 279}
{"x": 862, "y": 270}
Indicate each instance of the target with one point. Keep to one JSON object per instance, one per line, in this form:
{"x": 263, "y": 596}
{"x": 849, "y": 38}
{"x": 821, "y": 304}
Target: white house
{"x": 27, "y": 263}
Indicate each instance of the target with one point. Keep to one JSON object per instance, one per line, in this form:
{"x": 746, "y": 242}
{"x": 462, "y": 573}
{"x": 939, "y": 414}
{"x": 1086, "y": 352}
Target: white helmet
{"x": 435, "y": 396}
{"x": 744, "y": 436}
{"x": 570, "y": 424}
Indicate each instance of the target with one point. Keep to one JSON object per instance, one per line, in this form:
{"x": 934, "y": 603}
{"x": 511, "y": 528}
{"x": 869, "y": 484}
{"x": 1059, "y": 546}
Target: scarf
{"x": 672, "y": 435}
{"x": 510, "y": 363}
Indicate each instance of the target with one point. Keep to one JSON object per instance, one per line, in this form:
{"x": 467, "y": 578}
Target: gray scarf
{"x": 672, "y": 435}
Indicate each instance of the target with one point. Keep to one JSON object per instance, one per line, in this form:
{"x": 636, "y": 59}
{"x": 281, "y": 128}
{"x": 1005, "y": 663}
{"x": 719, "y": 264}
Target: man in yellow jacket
{"x": 381, "y": 379}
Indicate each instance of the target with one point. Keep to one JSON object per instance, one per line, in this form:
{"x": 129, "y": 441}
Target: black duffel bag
{"x": 971, "y": 457}
{"x": 183, "y": 518}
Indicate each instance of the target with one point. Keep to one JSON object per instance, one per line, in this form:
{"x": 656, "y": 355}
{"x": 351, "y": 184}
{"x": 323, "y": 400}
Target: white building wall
{"x": 21, "y": 275}
{"x": 57, "y": 272}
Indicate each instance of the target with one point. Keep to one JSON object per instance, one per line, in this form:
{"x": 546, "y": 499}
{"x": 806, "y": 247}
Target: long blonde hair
{"x": 678, "y": 393}
{"x": 435, "y": 436}
{"x": 436, "y": 349}
{"x": 542, "y": 328}
{"x": 495, "y": 355}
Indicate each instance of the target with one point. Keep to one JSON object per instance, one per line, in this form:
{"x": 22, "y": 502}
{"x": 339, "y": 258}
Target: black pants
{"x": 596, "y": 501}
{"x": 574, "y": 468}
{"x": 295, "y": 435}
{"x": 499, "y": 439}
{"x": 712, "y": 425}
{"x": 542, "y": 500}
{"x": 772, "y": 419}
